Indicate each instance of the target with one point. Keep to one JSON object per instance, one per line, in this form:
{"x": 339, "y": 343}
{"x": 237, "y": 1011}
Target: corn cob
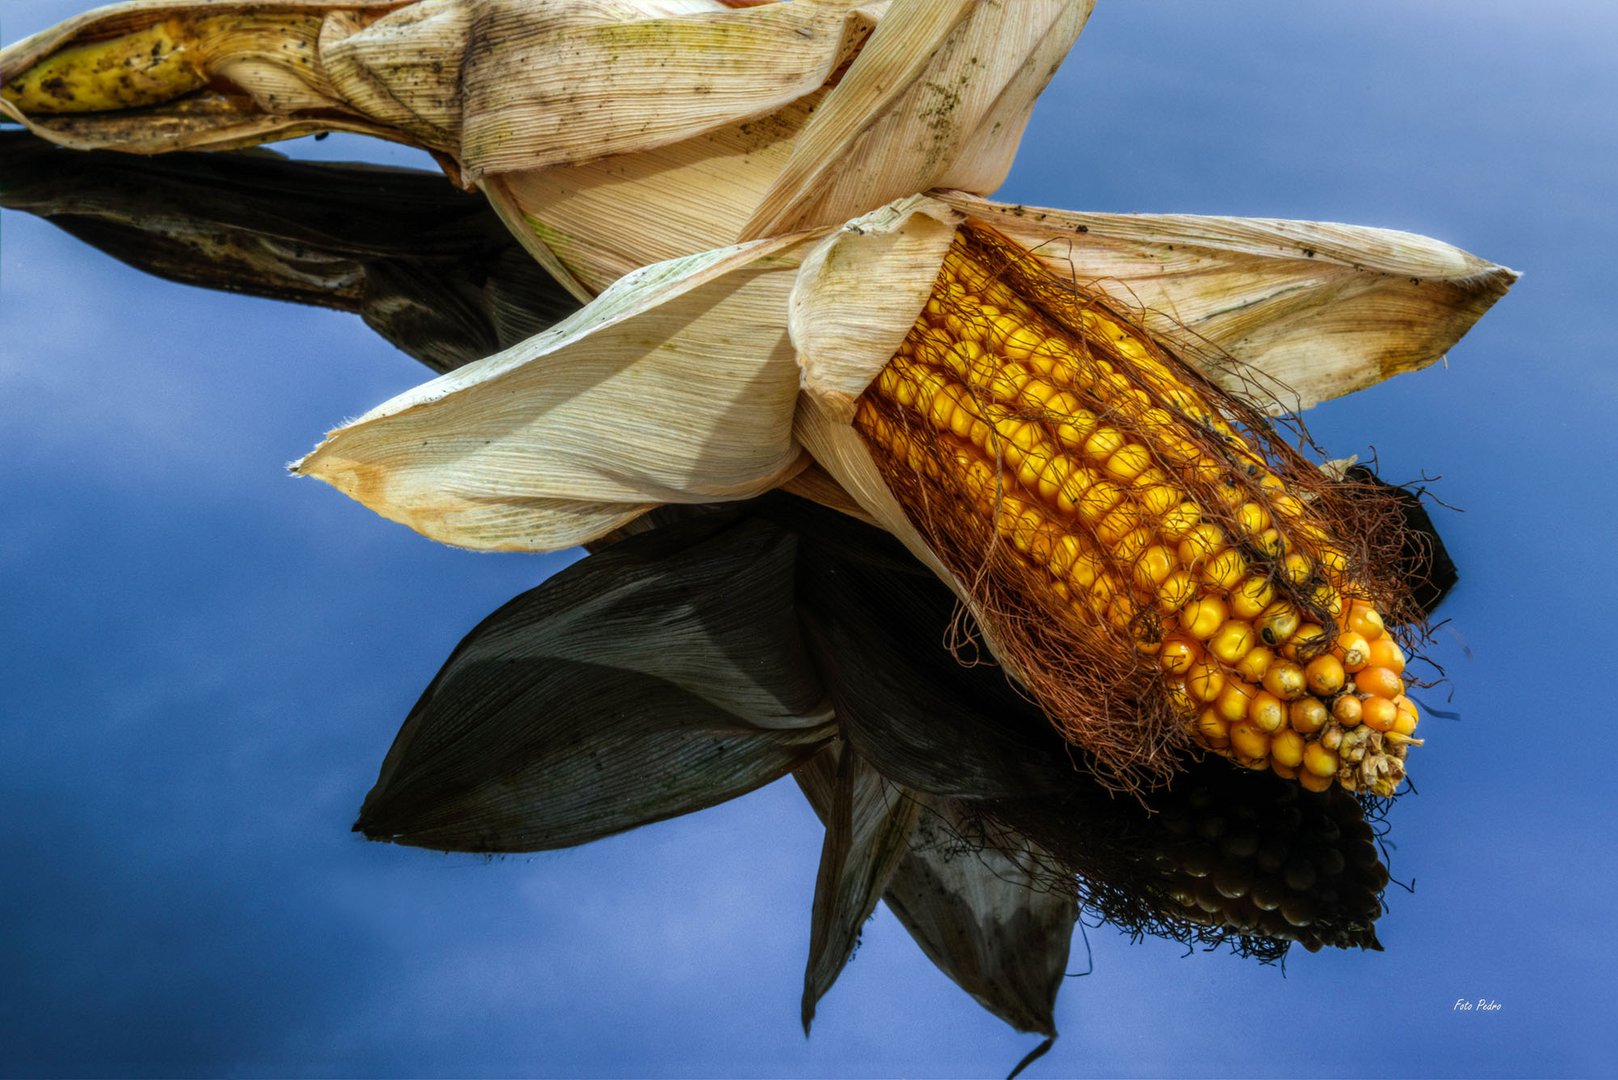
{"x": 146, "y": 67}
{"x": 1139, "y": 503}
{"x": 171, "y": 58}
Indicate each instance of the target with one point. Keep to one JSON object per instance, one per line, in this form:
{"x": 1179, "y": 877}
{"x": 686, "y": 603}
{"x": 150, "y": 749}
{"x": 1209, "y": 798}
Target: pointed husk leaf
{"x": 612, "y": 85}
{"x": 676, "y": 385}
{"x": 1307, "y": 311}
{"x": 938, "y": 96}
{"x": 650, "y": 680}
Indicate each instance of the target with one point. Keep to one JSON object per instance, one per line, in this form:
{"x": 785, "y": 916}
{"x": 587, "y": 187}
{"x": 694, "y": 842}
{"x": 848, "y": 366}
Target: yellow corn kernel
{"x": 1307, "y": 715}
{"x": 1266, "y": 712}
{"x": 1319, "y": 760}
{"x": 1098, "y": 501}
{"x": 1234, "y": 700}
{"x": 1177, "y": 590}
{"x": 1252, "y": 518}
{"x": 1132, "y": 546}
{"x": 1277, "y": 623}
{"x": 1379, "y": 713}
{"x": 1103, "y": 442}
{"x": 1232, "y": 641}
{"x": 1066, "y": 549}
{"x": 1213, "y": 730}
{"x": 1074, "y": 425}
{"x": 1353, "y": 651}
{"x": 1385, "y": 653}
{"x": 1253, "y": 666}
{"x": 1124, "y": 519}
{"x": 1284, "y": 679}
{"x": 1346, "y": 710}
{"x": 1128, "y": 461}
{"x": 1203, "y": 617}
{"x": 1364, "y": 620}
{"x": 1036, "y": 392}
{"x": 1324, "y": 675}
{"x": 1156, "y": 498}
{"x": 1178, "y": 653}
{"x": 1204, "y": 681}
{"x": 1021, "y": 344}
{"x": 1314, "y": 781}
{"x": 1271, "y": 543}
{"x": 1154, "y": 566}
{"x": 1180, "y": 521}
{"x": 1224, "y": 570}
{"x": 1249, "y": 743}
{"x": 1296, "y": 568}
{"x": 1408, "y": 717}
{"x": 1286, "y": 748}
{"x": 1251, "y": 596}
{"x": 1201, "y": 543}
{"x": 1378, "y": 680}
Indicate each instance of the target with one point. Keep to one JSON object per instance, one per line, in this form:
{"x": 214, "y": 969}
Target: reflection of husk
{"x": 656, "y": 678}
{"x": 988, "y": 773}
{"x": 429, "y": 268}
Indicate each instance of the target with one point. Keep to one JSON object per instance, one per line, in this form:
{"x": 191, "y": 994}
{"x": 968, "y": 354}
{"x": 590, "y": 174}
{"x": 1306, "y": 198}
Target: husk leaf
{"x": 941, "y": 92}
{"x": 597, "y": 220}
{"x": 677, "y": 385}
{"x": 1313, "y": 310}
{"x": 613, "y": 86}
{"x": 859, "y": 292}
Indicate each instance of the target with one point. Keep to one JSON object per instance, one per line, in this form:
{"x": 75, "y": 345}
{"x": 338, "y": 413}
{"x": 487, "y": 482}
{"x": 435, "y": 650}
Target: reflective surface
{"x": 208, "y": 660}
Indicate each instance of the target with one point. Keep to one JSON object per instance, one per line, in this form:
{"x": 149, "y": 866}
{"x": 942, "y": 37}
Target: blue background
{"x": 204, "y": 660}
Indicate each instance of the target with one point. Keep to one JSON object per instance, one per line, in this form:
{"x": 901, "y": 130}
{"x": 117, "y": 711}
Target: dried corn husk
{"x": 704, "y": 377}
{"x": 677, "y": 385}
{"x": 608, "y": 133}
{"x": 720, "y": 376}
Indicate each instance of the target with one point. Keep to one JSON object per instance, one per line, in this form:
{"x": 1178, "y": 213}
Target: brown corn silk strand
{"x": 972, "y": 441}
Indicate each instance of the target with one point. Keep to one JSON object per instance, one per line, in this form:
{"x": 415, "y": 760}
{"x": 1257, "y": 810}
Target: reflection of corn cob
{"x": 1139, "y": 507}
{"x": 1221, "y": 853}
{"x": 1306, "y": 872}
